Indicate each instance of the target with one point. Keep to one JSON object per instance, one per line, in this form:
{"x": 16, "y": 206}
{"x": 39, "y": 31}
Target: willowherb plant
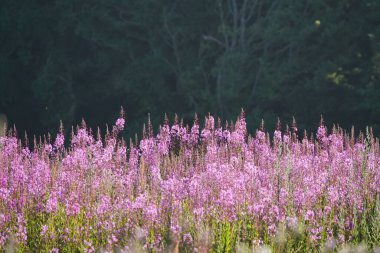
{"x": 188, "y": 189}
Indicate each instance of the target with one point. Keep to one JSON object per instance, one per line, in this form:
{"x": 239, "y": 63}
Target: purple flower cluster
{"x": 98, "y": 193}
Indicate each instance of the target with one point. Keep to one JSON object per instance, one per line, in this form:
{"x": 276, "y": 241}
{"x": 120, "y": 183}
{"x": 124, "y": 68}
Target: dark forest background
{"x": 64, "y": 60}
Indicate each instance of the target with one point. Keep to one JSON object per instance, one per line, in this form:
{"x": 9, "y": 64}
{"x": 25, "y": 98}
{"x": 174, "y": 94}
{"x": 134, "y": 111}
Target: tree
{"x": 72, "y": 59}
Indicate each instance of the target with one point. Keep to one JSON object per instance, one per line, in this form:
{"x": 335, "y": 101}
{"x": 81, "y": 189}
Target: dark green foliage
{"x": 70, "y": 59}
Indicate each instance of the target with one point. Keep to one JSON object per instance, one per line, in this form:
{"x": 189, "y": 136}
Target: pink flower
{"x": 44, "y": 229}
{"x": 309, "y": 215}
{"x": 120, "y": 124}
{"x": 51, "y": 204}
{"x": 187, "y": 238}
{"x": 59, "y": 141}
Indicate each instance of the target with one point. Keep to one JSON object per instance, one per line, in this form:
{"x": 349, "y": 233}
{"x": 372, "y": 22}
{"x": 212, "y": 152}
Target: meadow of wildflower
{"x": 190, "y": 189}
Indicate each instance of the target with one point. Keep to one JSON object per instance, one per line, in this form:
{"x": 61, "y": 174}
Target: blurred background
{"x": 68, "y": 60}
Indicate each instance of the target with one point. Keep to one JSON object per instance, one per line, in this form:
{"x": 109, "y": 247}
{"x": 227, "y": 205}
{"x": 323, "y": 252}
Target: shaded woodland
{"x": 64, "y": 60}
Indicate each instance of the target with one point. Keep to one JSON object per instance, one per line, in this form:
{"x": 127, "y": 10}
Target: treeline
{"x": 72, "y": 59}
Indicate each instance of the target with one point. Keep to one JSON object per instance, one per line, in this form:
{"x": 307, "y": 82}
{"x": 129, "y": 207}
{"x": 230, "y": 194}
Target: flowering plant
{"x": 191, "y": 189}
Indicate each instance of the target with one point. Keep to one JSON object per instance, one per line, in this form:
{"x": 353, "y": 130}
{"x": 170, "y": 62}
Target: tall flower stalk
{"x": 214, "y": 189}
